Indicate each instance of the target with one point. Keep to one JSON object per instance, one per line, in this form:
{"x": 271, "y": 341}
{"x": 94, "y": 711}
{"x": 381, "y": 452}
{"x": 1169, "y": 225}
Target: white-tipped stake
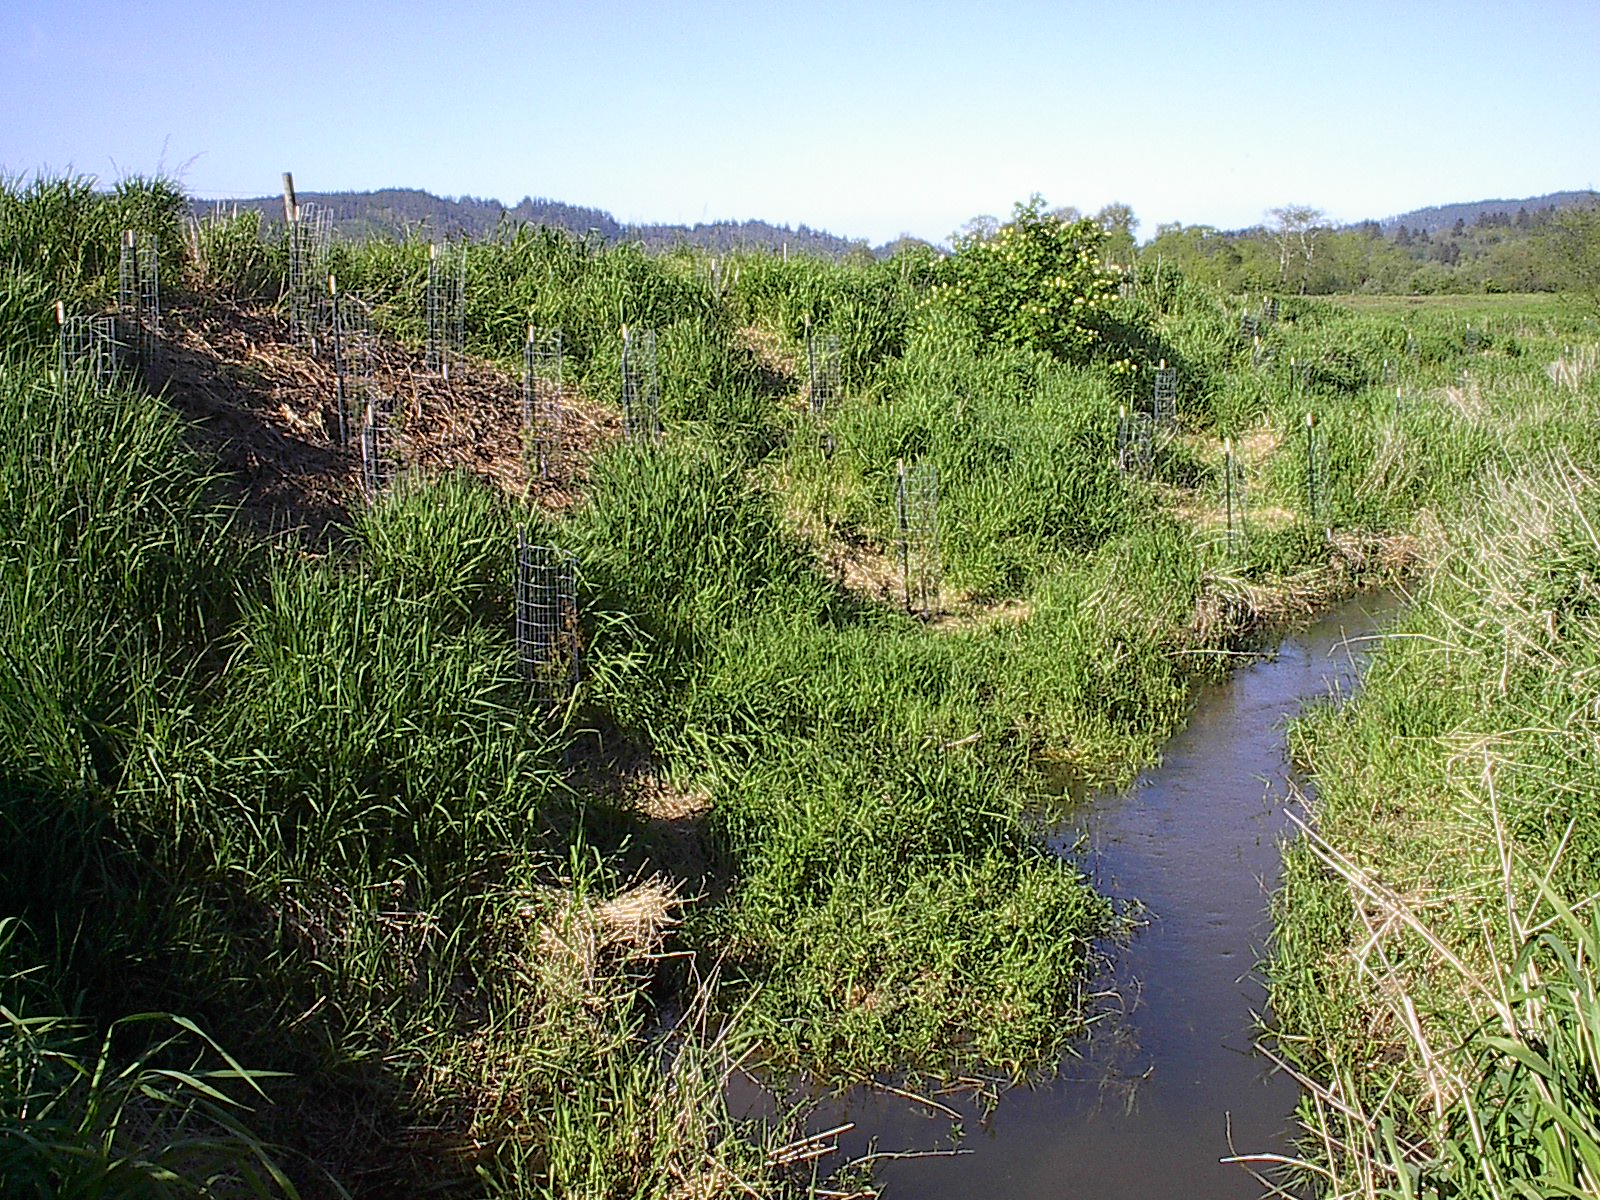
{"x": 61, "y": 313}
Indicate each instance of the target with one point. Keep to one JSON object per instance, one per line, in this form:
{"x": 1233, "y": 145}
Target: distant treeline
{"x": 1488, "y": 246}
{"x": 1483, "y": 246}
{"x": 399, "y": 212}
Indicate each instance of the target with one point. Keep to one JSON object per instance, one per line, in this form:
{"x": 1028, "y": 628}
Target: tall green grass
{"x": 306, "y": 801}
{"x": 151, "y": 1107}
{"x": 1436, "y": 925}
{"x": 64, "y": 235}
{"x": 1024, "y": 448}
{"x": 228, "y": 254}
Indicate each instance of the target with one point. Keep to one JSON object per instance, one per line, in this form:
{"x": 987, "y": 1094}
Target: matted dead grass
{"x": 260, "y": 407}
{"x": 586, "y": 934}
{"x": 767, "y": 347}
{"x": 1466, "y": 398}
{"x": 1358, "y": 553}
{"x": 968, "y": 613}
{"x": 1574, "y": 366}
{"x": 865, "y": 570}
{"x": 1257, "y": 447}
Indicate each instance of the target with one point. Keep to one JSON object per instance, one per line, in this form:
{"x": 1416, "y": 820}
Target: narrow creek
{"x": 1147, "y": 1103}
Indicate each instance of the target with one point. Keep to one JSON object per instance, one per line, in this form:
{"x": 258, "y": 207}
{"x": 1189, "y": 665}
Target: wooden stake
{"x": 291, "y": 209}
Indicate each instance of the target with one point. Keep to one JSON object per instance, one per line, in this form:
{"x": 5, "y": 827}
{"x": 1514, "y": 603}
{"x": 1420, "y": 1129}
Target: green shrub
{"x": 1036, "y": 284}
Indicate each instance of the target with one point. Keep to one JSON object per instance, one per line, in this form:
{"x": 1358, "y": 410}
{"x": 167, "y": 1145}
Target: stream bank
{"x": 1168, "y": 1081}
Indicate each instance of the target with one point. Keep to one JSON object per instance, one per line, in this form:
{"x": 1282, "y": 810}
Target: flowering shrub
{"x": 1037, "y": 282}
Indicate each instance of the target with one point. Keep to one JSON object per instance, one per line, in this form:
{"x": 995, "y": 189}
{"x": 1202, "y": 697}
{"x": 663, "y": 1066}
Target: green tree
{"x": 1574, "y": 240}
{"x": 1295, "y": 231}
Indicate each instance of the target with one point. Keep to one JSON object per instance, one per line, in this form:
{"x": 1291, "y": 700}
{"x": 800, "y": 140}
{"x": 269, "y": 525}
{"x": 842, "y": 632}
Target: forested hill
{"x": 1441, "y": 217}
{"x": 399, "y": 211}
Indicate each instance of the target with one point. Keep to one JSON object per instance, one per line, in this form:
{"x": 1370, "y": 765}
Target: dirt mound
{"x": 266, "y": 409}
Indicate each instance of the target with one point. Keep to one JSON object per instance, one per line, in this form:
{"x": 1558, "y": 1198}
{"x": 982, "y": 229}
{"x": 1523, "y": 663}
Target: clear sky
{"x": 863, "y": 118}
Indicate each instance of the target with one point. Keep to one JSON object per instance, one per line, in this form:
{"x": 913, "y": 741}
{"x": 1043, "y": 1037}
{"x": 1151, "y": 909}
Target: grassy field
{"x": 269, "y": 762}
{"x": 1529, "y": 306}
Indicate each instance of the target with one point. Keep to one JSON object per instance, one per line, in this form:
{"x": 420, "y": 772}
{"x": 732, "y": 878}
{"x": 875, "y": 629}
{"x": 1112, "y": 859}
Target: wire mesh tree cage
{"x": 380, "y": 458}
{"x": 1135, "y": 443}
{"x": 822, "y": 370}
{"x": 1299, "y": 378}
{"x": 548, "y": 637}
{"x": 917, "y": 518}
{"x": 87, "y": 349}
{"x": 641, "y": 386}
{"x": 1164, "y": 397}
{"x": 365, "y": 410}
{"x": 310, "y": 253}
{"x": 1316, "y": 470}
{"x": 446, "y": 307}
{"x": 139, "y": 297}
{"x": 1233, "y": 504}
{"x": 542, "y": 396}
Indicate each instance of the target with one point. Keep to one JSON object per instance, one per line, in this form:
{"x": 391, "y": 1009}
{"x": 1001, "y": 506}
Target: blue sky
{"x": 866, "y": 119}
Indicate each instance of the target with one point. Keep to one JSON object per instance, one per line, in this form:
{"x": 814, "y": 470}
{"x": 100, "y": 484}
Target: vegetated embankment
{"x": 295, "y": 790}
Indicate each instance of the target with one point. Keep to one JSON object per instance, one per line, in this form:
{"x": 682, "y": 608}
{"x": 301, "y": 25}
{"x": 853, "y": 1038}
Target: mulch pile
{"x": 266, "y": 411}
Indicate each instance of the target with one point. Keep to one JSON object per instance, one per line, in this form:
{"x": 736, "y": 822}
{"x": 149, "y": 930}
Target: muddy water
{"x": 1148, "y": 1101}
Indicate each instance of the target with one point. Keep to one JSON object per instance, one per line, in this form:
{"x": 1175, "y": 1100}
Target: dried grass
{"x": 1574, "y": 366}
{"x": 1466, "y": 398}
{"x": 865, "y": 570}
{"x": 590, "y": 938}
{"x": 766, "y": 345}
{"x": 968, "y": 613}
